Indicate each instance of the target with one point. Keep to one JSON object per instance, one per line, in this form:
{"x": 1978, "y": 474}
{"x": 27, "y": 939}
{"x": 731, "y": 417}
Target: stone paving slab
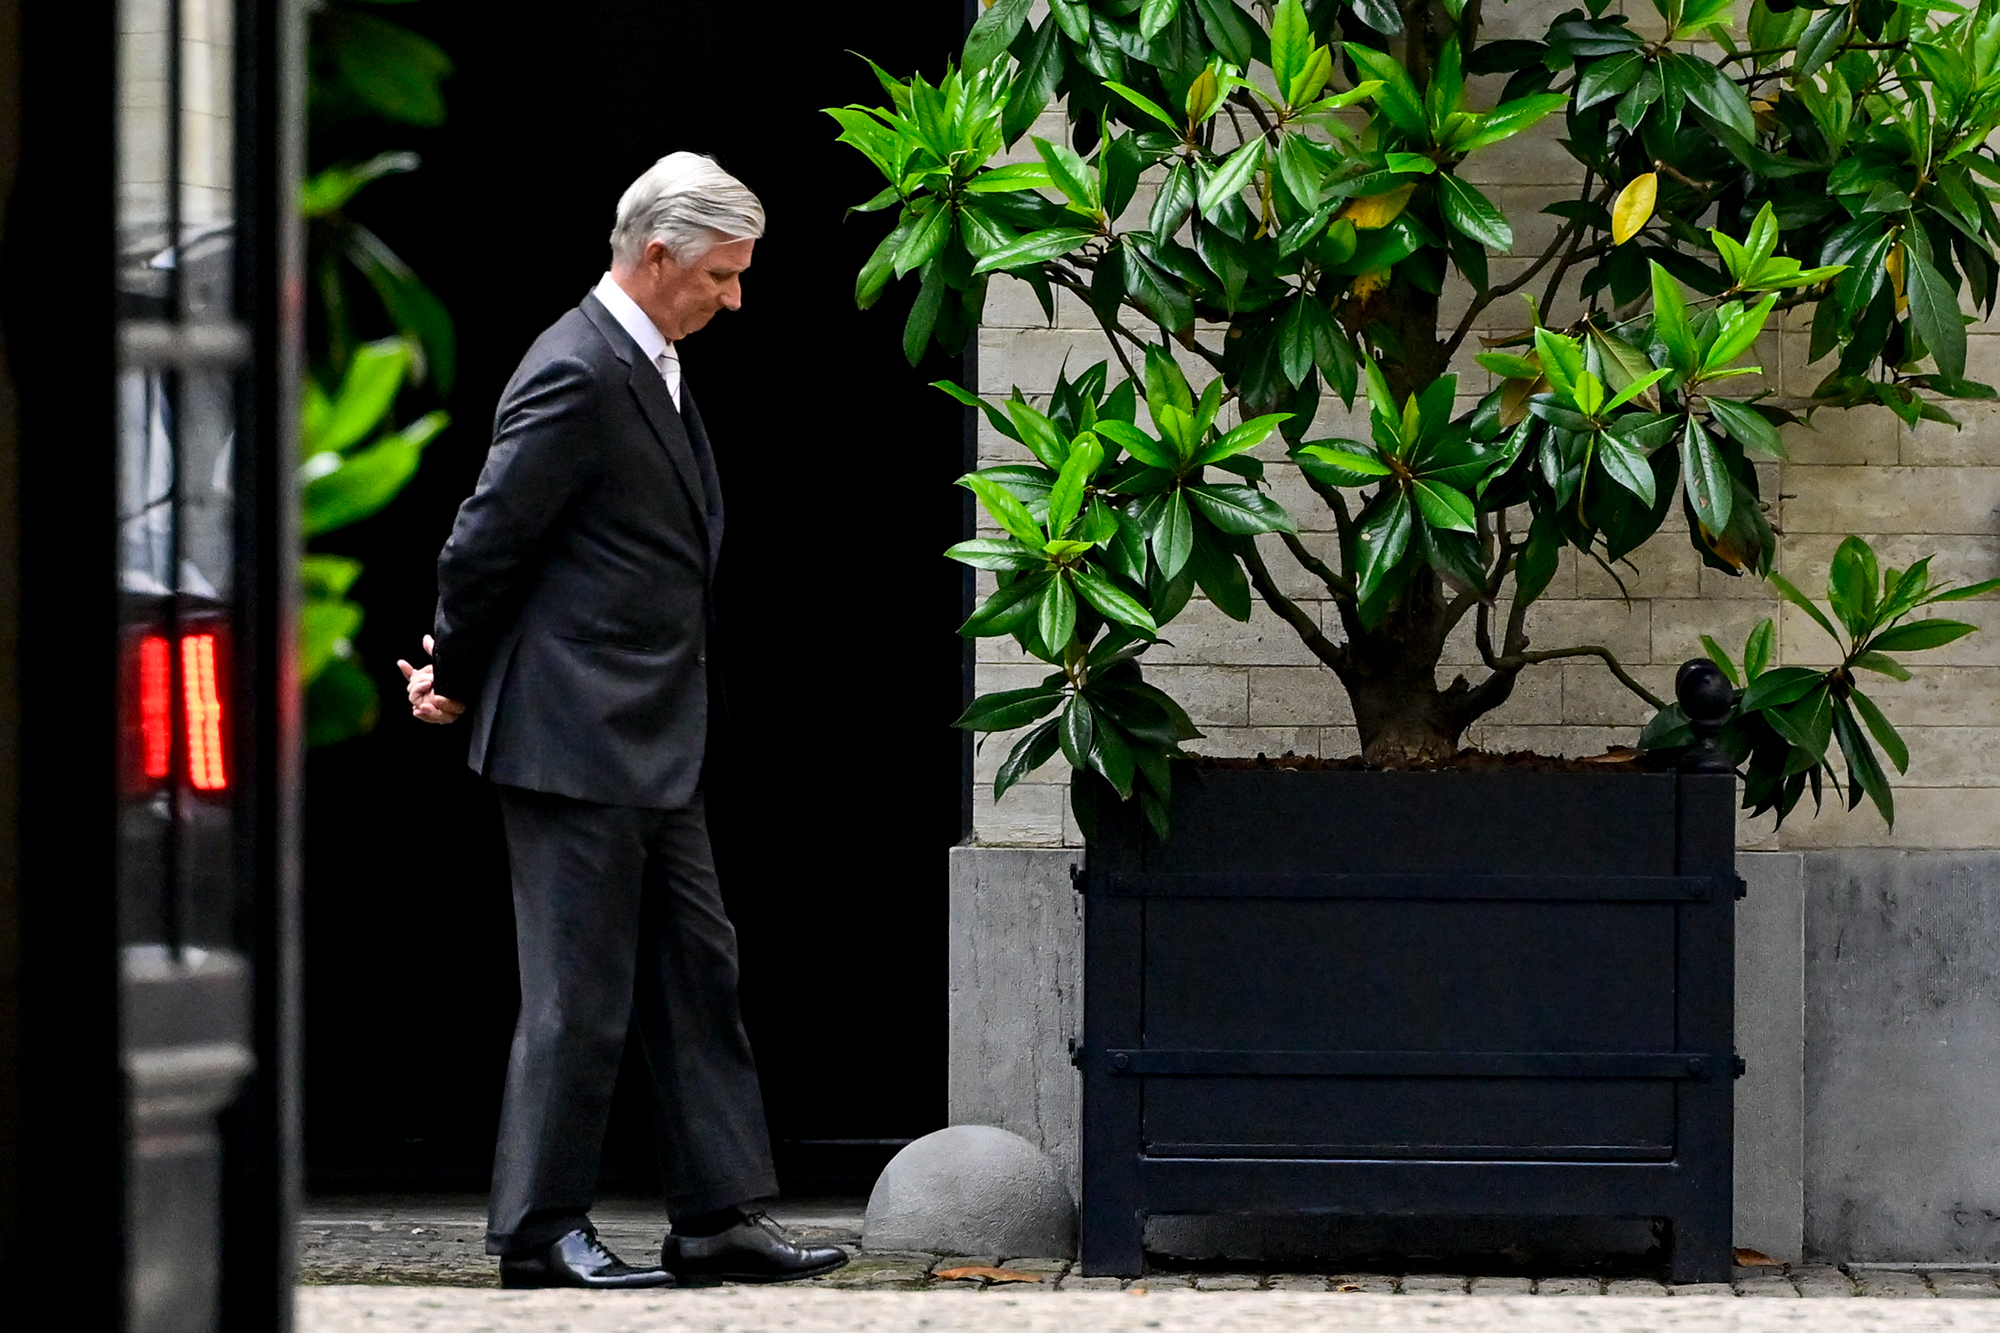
{"x": 802, "y": 1309}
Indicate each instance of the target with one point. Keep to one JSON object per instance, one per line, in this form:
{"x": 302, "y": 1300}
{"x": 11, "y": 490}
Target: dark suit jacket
{"x": 575, "y": 594}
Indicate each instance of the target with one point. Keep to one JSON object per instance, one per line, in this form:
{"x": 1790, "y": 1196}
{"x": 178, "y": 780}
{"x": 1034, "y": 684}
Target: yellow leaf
{"x": 1755, "y": 1259}
{"x": 973, "y": 1272}
{"x": 1202, "y": 95}
{"x": 1894, "y": 265}
{"x": 1370, "y": 283}
{"x": 1634, "y": 207}
{"x": 1377, "y": 210}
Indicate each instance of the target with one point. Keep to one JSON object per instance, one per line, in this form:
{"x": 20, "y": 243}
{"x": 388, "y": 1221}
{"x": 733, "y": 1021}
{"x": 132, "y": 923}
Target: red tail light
{"x": 204, "y": 713}
{"x": 156, "y": 723}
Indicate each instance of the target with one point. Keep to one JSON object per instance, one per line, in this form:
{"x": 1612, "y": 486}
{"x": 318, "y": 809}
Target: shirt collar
{"x": 634, "y": 321}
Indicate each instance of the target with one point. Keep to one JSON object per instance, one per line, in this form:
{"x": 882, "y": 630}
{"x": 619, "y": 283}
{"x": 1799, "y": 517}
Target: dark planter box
{"x": 1444, "y": 994}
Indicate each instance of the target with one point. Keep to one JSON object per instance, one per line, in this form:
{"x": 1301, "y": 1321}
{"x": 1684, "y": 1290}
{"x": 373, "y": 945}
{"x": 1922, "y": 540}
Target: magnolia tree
{"x": 1308, "y": 207}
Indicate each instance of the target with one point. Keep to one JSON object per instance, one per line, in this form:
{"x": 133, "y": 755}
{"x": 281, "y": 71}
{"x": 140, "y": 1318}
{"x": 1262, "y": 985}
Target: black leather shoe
{"x": 579, "y": 1260}
{"x": 754, "y": 1250}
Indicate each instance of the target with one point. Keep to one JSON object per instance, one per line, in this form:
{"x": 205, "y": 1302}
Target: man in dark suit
{"x": 575, "y": 621}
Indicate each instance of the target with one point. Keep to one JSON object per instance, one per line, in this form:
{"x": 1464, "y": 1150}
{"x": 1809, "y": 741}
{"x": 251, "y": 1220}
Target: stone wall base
{"x": 1868, "y": 1012}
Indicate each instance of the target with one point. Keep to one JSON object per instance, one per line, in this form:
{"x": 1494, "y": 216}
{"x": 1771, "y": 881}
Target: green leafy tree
{"x": 366, "y": 72}
{"x": 1309, "y": 206}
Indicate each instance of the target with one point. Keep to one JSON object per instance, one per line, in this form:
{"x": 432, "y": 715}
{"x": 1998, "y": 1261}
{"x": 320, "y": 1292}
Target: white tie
{"x": 669, "y": 363}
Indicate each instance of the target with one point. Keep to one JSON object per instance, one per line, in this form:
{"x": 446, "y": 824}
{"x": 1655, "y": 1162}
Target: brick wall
{"x": 1911, "y": 491}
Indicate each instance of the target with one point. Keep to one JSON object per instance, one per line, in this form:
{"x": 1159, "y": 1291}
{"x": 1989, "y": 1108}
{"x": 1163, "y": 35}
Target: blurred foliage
{"x": 375, "y": 332}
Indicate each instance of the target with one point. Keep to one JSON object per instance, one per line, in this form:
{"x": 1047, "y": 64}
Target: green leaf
{"x": 384, "y": 66}
{"x": 328, "y": 191}
{"x": 1036, "y": 248}
{"x": 1919, "y": 635}
{"x": 1291, "y": 42}
{"x": 1822, "y": 37}
{"x": 1009, "y": 709}
{"x": 1055, "y": 615}
{"x": 1145, "y": 104}
{"x": 1041, "y": 436}
{"x": 327, "y": 626}
{"x": 1029, "y": 753}
{"x": 1864, "y": 771}
{"x": 1113, "y": 601}
{"x": 1778, "y": 687}
{"x": 1720, "y": 656}
{"x": 1230, "y": 30}
{"x": 1079, "y": 723}
{"x": 1066, "y": 496}
{"x": 1009, "y": 512}
{"x": 1077, "y": 181}
{"x": 1397, "y": 98}
{"x": 1670, "y": 321}
{"x": 367, "y": 392}
{"x": 1444, "y": 506}
{"x": 1231, "y": 178}
{"x": 1613, "y": 76}
{"x": 993, "y": 33}
{"x": 1009, "y": 608}
{"x": 1173, "y": 534}
{"x": 1138, "y": 444}
{"x": 1757, "y": 649}
{"x": 1506, "y": 120}
{"x": 1934, "y": 310}
{"x": 924, "y": 313}
{"x": 1040, "y": 73}
{"x": 1471, "y": 212}
{"x": 1627, "y": 465}
{"x": 1240, "y": 509}
{"x": 924, "y": 240}
{"x": 1710, "y": 488}
{"x": 1343, "y": 463}
{"x": 1885, "y": 735}
{"x": 1850, "y": 585}
{"x": 989, "y": 553}
{"x": 1246, "y": 436}
{"x": 1738, "y": 332}
{"x": 1882, "y": 665}
{"x": 1749, "y": 427}
{"x": 368, "y": 479}
{"x": 1535, "y": 567}
{"x": 1803, "y": 602}
{"x": 1155, "y": 15}
{"x": 1165, "y": 384}
{"x": 1380, "y": 543}
{"x": 1711, "y": 89}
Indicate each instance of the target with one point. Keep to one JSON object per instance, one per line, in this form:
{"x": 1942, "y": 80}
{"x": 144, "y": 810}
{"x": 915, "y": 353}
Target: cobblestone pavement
{"x": 375, "y": 1264}
{"x": 797, "y": 1310}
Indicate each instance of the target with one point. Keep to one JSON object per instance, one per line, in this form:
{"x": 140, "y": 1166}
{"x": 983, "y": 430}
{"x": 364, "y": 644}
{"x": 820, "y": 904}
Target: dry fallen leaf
{"x": 975, "y": 1271}
{"x": 1755, "y": 1259}
{"x": 1617, "y": 754}
{"x": 1348, "y": 1286}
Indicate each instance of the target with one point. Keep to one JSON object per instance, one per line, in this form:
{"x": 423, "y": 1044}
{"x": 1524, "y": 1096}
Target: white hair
{"x": 688, "y": 204}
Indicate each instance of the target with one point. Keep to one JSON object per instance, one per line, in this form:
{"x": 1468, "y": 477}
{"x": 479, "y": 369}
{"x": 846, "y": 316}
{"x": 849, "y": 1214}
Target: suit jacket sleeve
{"x": 544, "y": 456}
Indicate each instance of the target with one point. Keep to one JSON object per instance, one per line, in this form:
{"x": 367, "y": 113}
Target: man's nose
{"x": 732, "y": 296}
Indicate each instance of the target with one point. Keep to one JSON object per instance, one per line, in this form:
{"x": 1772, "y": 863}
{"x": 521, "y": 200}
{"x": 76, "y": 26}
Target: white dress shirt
{"x": 644, "y": 332}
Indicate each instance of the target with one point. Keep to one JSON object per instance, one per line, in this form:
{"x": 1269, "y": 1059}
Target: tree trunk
{"x": 1390, "y": 672}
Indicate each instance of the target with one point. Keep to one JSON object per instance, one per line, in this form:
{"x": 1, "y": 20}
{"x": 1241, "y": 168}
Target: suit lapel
{"x": 655, "y": 405}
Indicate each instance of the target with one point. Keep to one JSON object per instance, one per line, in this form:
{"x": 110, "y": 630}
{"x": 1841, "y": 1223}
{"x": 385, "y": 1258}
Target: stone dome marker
{"x": 971, "y": 1189}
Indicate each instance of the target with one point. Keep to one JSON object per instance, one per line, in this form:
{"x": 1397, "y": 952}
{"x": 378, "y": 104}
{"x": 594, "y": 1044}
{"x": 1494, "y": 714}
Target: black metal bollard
{"x": 1706, "y": 696}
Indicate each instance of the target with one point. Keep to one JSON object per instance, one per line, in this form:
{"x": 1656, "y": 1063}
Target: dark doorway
{"x": 841, "y": 793}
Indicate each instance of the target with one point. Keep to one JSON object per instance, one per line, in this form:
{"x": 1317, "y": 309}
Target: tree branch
{"x": 1518, "y": 660}
{"x": 1294, "y": 615}
{"x": 1341, "y": 589}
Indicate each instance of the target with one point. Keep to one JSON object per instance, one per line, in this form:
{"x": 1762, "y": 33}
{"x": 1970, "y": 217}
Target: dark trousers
{"x": 619, "y": 920}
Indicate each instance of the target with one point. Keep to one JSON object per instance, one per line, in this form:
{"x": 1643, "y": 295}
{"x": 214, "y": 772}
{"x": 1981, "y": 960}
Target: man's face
{"x": 680, "y": 299}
